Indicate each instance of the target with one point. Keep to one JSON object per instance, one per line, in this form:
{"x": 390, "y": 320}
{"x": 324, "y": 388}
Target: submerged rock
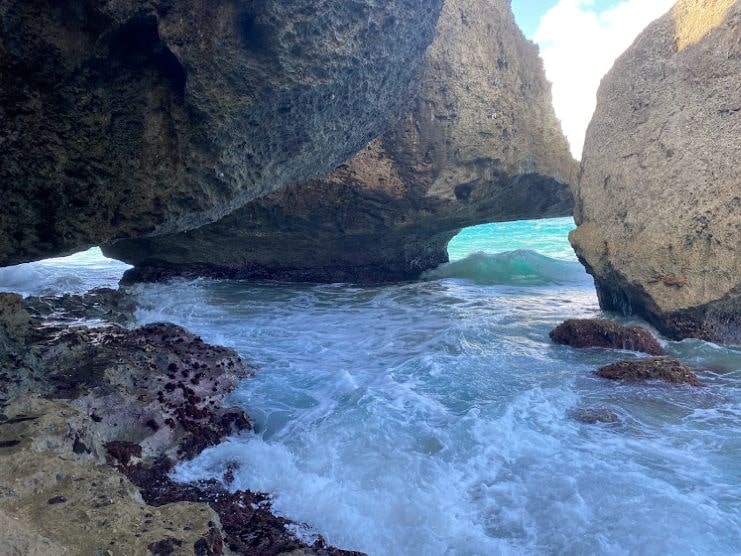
{"x": 481, "y": 144}
{"x": 103, "y": 304}
{"x": 129, "y": 118}
{"x": 592, "y": 416}
{"x": 586, "y": 333}
{"x": 659, "y": 200}
{"x": 658, "y": 368}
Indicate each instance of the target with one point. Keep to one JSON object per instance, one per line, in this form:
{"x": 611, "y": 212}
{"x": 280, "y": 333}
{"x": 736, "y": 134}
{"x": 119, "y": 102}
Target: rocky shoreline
{"x": 94, "y": 416}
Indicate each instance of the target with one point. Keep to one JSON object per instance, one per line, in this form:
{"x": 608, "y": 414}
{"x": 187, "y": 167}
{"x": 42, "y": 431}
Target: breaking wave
{"x": 511, "y": 268}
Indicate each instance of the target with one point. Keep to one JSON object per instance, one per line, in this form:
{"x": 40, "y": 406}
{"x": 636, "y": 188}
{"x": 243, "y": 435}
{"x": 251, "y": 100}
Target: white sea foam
{"x": 436, "y": 418}
{"x": 77, "y": 273}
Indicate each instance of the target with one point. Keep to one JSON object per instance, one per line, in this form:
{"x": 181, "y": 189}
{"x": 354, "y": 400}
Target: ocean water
{"x": 436, "y": 418}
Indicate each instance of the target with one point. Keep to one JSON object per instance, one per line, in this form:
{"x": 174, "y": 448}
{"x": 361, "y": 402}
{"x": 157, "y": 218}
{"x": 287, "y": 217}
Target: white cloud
{"x": 579, "y": 44}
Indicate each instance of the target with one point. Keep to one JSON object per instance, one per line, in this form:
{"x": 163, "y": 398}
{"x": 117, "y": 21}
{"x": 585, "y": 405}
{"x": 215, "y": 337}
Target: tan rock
{"x": 56, "y": 499}
{"x": 480, "y": 144}
{"x": 659, "y": 199}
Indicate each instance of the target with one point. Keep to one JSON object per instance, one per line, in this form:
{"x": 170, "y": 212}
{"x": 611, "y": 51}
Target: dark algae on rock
{"x": 142, "y": 399}
{"x": 657, "y": 368}
{"x": 586, "y": 333}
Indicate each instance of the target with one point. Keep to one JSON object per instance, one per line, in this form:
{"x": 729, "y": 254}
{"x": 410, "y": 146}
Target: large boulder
{"x": 481, "y": 144}
{"x": 136, "y": 117}
{"x": 659, "y": 200}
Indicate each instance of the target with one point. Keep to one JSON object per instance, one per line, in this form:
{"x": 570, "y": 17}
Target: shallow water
{"x": 436, "y": 418}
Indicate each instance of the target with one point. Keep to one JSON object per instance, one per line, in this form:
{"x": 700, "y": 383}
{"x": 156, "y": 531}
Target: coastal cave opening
{"x": 521, "y": 252}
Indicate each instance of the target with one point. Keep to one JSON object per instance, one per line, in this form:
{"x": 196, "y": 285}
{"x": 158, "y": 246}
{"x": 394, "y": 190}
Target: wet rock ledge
{"x": 92, "y": 420}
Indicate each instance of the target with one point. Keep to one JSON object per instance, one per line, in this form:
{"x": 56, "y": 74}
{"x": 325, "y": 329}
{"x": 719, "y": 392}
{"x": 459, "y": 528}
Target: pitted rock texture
{"x": 655, "y": 368}
{"x": 57, "y": 498}
{"x": 99, "y": 304}
{"x": 81, "y": 405}
{"x": 129, "y": 118}
{"x": 659, "y": 199}
{"x": 481, "y": 144}
{"x": 586, "y": 333}
{"x": 158, "y": 385}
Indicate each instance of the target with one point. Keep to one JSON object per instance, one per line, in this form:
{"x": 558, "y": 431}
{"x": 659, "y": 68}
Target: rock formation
{"x": 659, "y": 200}
{"x": 127, "y": 118}
{"x": 586, "y": 333}
{"x": 654, "y": 368}
{"x": 481, "y": 144}
{"x": 92, "y": 420}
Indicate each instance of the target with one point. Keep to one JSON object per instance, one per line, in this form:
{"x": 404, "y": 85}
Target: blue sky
{"x": 579, "y": 41}
{"x": 529, "y": 12}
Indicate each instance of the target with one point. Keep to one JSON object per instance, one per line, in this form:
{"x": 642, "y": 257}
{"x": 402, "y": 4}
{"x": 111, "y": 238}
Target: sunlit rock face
{"x": 129, "y": 118}
{"x": 481, "y": 144}
{"x": 659, "y": 200}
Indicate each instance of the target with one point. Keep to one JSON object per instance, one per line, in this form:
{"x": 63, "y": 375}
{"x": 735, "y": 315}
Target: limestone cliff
{"x": 481, "y": 144}
{"x": 127, "y": 118}
{"x": 659, "y": 200}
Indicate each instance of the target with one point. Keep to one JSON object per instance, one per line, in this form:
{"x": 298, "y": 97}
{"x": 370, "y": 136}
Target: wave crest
{"x": 511, "y": 268}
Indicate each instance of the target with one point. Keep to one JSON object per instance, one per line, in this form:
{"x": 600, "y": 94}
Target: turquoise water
{"x": 436, "y": 418}
{"x": 547, "y": 237}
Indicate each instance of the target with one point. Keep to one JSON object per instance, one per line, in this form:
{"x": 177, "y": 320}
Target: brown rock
{"x": 592, "y": 416}
{"x": 128, "y": 118}
{"x": 481, "y": 144}
{"x": 585, "y": 333}
{"x": 659, "y": 368}
{"x": 15, "y": 322}
{"x": 659, "y": 199}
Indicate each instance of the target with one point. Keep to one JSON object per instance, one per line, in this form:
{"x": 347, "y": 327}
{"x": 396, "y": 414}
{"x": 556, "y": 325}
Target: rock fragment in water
{"x": 655, "y": 368}
{"x": 592, "y": 415}
{"x": 105, "y": 304}
{"x": 584, "y": 333}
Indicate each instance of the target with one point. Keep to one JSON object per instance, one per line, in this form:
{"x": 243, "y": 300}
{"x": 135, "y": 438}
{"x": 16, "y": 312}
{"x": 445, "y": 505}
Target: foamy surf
{"x": 436, "y": 418}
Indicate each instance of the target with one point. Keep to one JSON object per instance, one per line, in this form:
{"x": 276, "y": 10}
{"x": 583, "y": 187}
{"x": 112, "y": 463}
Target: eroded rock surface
{"x": 481, "y": 144}
{"x": 92, "y": 420}
{"x": 585, "y": 333}
{"x": 127, "y": 118}
{"x": 655, "y": 368}
{"x": 60, "y": 499}
{"x": 99, "y": 304}
{"x": 659, "y": 200}
{"x": 594, "y": 415}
